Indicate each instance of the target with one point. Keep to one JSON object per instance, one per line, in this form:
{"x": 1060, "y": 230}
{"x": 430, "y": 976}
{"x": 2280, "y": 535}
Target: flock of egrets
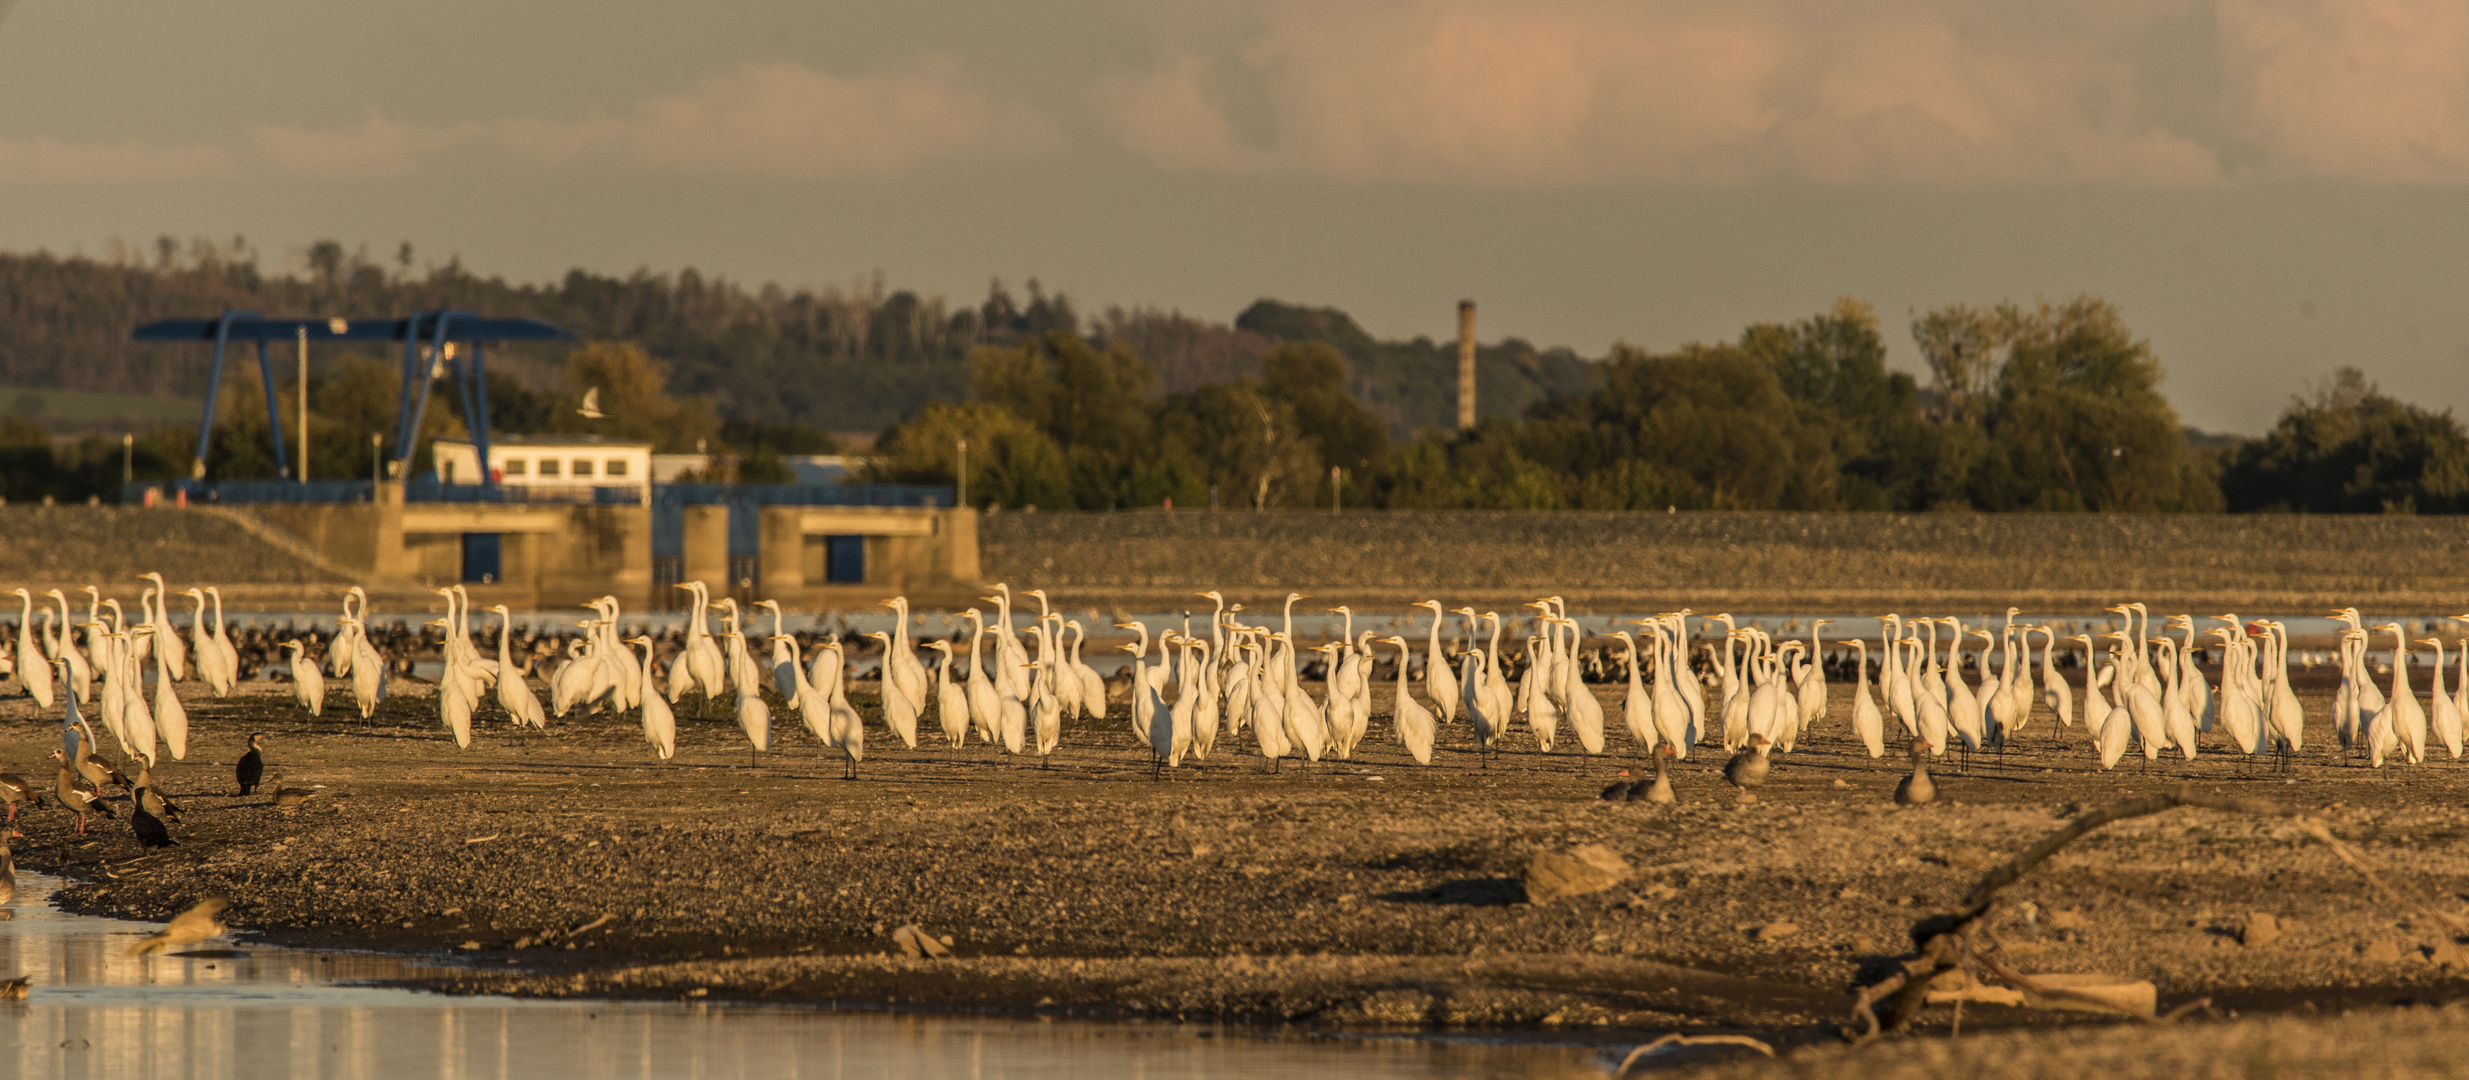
{"x": 1193, "y": 694}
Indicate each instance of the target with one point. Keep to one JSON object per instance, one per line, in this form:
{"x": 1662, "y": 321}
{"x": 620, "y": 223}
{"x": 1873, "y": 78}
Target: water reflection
{"x": 215, "y": 1013}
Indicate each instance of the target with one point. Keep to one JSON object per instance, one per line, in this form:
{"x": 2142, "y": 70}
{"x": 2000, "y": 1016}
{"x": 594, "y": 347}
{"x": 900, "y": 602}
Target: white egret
{"x": 307, "y": 686}
{"x": 1416, "y": 727}
{"x": 1438, "y": 681}
{"x": 951, "y": 703}
{"x": 659, "y": 724}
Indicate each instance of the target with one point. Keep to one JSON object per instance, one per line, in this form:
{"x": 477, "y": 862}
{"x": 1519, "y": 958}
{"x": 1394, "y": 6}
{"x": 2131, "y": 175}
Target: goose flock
{"x": 1190, "y": 695}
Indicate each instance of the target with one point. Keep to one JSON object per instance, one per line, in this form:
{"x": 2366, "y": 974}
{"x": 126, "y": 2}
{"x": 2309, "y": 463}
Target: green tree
{"x": 1311, "y": 379}
{"x": 1249, "y": 441}
{"x": 1712, "y": 420}
{"x": 1011, "y": 463}
{"x": 2347, "y": 448}
{"x": 2081, "y": 421}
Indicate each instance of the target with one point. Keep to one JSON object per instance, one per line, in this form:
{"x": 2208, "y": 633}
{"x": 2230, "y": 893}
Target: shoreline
{"x": 1372, "y": 894}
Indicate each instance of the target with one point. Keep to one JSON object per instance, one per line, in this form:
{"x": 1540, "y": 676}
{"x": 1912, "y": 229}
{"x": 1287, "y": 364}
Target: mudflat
{"x": 1371, "y": 892}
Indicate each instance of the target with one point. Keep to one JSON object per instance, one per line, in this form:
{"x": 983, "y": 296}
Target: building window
{"x": 582, "y": 467}
{"x": 617, "y": 467}
{"x": 449, "y": 470}
{"x": 516, "y": 466}
{"x": 548, "y": 466}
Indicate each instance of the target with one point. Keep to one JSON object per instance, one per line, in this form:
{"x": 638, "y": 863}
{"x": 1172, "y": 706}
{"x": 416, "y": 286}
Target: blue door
{"x": 480, "y": 558}
{"x": 844, "y": 560}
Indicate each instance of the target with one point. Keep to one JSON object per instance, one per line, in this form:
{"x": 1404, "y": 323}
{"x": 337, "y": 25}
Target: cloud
{"x": 1578, "y": 92}
{"x": 44, "y": 160}
{"x": 2375, "y": 89}
{"x": 772, "y": 119}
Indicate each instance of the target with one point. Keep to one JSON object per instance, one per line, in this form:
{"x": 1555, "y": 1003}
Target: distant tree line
{"x": 2047, "y": 407}
{"x": 2053, "y": 407}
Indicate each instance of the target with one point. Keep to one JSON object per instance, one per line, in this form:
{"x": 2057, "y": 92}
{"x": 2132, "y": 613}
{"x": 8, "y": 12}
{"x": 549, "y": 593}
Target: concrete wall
{"x": 1750, "y": 562}
{"x": 927, "y": 555}
{"x": 557, "y": 556}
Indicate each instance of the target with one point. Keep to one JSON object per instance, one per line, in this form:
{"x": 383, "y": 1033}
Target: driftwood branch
{"x": 1945, "y": 941}
{"x": 1678, "y": 1039}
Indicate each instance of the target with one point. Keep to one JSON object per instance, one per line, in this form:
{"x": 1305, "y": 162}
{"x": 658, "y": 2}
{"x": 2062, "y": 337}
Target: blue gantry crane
{"x": 429, "y": 353}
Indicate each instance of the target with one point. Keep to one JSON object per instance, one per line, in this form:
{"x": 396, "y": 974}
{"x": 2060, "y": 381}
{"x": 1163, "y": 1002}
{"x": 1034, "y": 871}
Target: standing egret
{"x": 2054, "y": 691}
{"x": 1438, "y": 680}
{"x": 1092, "y": 696}
{"x": 985, "y": 706}
{"x": 1416, "y": 727}
{"x": 1636, "y": 707}
{"x": 659, "y": 724}
{"x": 171, "y": 721}
{"x": 1584, "y": 709}
{"x": 951, "y": 703}
{"x": 753, "y": 716}
{"x": 899, "y": 710}
{"x": 2443, "y": 713}
{"x": 33, "y": 673}
{"x": 79, "y": 670}
{"x": 1478, "y": 705}
{"x": 900, "y": 664}
{"x": 514, "y": 693}
{"x": 1867, "y": 722}
{"x": 222, "y": 640}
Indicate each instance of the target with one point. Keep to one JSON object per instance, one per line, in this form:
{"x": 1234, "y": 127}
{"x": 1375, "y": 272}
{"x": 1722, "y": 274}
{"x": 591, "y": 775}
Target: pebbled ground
{"x": 1371, "y": 892}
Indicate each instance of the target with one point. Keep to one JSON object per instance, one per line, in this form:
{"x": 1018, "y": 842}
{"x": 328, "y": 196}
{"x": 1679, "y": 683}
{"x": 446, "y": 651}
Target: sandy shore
{"x": 1371, "y": 892}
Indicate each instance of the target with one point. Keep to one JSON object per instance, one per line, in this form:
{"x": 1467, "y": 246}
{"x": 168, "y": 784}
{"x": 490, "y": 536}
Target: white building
{"x": 808, "y": 468}
{"x": 539, "y": 461}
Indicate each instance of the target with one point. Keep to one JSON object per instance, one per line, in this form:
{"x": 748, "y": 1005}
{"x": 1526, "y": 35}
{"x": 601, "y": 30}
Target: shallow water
{"x": 246, "y": 1011}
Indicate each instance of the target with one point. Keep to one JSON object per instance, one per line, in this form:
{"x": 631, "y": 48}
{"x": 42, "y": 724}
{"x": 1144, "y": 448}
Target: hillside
{"x": 851, "y": 359}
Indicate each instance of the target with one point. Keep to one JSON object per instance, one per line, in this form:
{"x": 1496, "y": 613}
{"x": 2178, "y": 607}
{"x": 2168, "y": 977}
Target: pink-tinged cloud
{"x": 2375, "y": 89}
{"x": 44, "y": 160}
{"x": 1577, "y": 92}
{"x": 769, "y": 119}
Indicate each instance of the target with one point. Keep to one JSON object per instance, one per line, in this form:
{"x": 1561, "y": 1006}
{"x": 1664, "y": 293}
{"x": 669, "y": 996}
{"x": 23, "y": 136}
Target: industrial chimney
{"x": 1465, "y": 364}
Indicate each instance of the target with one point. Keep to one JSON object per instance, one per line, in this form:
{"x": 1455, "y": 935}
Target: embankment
{"x": 2060, "y": 563}
{"x": 252, "y": 565}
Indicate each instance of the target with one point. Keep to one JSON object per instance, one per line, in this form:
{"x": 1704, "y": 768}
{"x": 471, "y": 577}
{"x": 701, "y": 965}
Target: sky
{"x": 2269, "y": 189}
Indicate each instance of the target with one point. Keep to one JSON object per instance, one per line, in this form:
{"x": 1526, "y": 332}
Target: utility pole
{"x": 304, "y": 405}
{"x": 1465, "y": 364}
{"x": 128, "y": 459}
{"x": 962, "y": 497}
{"x": 375, "y": 454}
{"x": 1335, "y": 492}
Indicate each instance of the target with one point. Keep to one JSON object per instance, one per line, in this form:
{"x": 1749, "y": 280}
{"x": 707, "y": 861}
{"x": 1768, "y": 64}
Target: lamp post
{"x": 304, "y": 404}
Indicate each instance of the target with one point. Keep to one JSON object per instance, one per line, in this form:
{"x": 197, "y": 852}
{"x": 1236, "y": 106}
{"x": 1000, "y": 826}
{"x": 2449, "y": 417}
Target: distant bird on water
{"x": 202, "y": 920}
